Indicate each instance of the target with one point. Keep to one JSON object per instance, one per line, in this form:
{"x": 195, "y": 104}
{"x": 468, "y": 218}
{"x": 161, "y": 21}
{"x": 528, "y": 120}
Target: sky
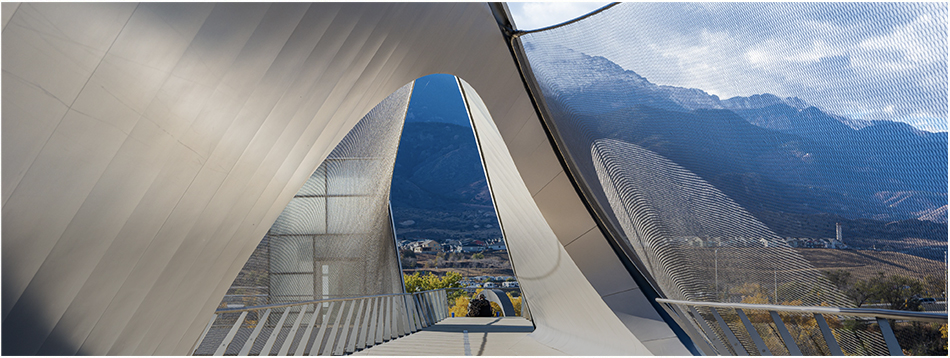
{"x": 874, "y": 61}
{"x": 535, "y": 15}
{"x": 436, "y": 98}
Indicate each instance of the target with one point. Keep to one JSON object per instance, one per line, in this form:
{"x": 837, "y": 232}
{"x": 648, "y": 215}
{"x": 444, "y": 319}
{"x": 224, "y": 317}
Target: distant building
{"x": 425, "y": 246}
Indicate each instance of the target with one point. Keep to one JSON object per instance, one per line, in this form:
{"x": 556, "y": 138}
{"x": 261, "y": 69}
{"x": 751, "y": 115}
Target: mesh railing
{"x": 759, "y": 198}
{"x": 748, "y": 329}
{"x": 322, "y": 327}
{"x": 335, "y": 237}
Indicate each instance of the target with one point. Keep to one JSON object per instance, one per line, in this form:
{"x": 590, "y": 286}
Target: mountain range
{"x": 796, "y": 167}
{"x": 439, "y": 190}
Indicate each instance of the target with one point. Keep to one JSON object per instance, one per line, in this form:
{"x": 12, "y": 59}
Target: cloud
{"x": 866, "y": 60}
{"x": 535, "y": 15}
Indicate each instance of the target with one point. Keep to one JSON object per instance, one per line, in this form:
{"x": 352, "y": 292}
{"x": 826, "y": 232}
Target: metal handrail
{"x": 302, "y": 303}
{"x": 939, "y": 317}
{"x": 348, "y": 324}
{"x": 709, "y": 342}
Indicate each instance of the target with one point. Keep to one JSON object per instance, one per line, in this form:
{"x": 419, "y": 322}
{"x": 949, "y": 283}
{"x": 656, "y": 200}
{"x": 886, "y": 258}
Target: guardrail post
{"x": 345, "y": 333}
{"x": 364, "y": 326}
{"x": 736, "y": 346}
{"x": 387, "y": 321}
{"x": 273, "y": 336}
{"x": 318, "y": 340}
{"x": 204, "y": 334}
{"x": 829, "y": 337}
{"x": 786, "y": 337}
{"x": 893, "y": 347}
{"x": 357, "y": 326}
{"x": 249, "y": 343}
{"x": 759, "y": 344}
{"x": 289, "y": 340}
{"x": 327, "y": 349}
{"x": 371, "y": 328}
{"x": 710, "y": 333}
{"x": 227, "y": 339}
{"x": 305, "y": 339}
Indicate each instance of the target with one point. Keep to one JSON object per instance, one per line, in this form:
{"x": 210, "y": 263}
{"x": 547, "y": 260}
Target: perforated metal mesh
{"x": 335, "y": 237}
{"x": 716, "y": 197}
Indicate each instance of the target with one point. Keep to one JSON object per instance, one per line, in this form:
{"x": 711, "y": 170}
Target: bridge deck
{"x": 462, "y": 336}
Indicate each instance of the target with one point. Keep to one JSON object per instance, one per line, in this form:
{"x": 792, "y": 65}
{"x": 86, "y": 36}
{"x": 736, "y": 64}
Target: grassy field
{"x": 864, "y": 264}
{"x": 494, "y": 264}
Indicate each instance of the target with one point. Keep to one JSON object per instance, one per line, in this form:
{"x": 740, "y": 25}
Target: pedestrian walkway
{"x": 468, "y": 336}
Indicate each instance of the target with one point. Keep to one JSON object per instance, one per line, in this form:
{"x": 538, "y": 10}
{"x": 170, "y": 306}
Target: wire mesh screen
{"x": 335, "y": 237}
{"x": 768, "y": 153}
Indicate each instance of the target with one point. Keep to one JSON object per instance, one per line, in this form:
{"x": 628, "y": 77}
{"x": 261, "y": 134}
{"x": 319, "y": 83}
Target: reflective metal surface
{"x": 147, "y": 148}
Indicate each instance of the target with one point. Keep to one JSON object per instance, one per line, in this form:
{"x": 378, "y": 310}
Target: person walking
{"x": 479, "y": 307}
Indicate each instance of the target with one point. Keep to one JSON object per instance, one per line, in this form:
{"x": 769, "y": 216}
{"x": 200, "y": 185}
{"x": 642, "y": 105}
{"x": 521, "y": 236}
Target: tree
{"x": 515, "y": 302}
{"x": 478, "y": 256}
{"x": 417, "y": 283}
{"x": 407, "y": 258}
{"x": 460, "y": 309}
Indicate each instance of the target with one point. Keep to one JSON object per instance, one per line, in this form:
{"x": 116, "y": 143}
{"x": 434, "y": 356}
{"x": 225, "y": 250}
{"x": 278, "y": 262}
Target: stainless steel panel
{"x": 8, "y": 8}
{"x": 566, "y": 215}
{"x": 30, "y": 114}
{"x": 251, "y": 98}
{"x": 607, "y": 276}
{"x": 636, "y": 313}
{"x": 58, "y": 46}
{"x": 568, "y": 313}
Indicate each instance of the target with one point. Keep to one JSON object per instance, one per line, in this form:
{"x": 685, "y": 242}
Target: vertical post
{"x": 786, "y": 337}
{"x": 302, "y": 346}
{"x": 285, "y": 346}
{"x": 345, "y": 333}
{"x": 407, "y": 315}
{"x": 227, "y": 339}
{"x": 261, "y": 322}
{"x": 733, "y": 341}
{"x": 720, "y": 346}
{"x": 318, "y": 340}
{"x": 759, "y": 344}
{"x": 893, "y": 347}
{"x": 387, "y": 319}
{"x": 357, "y": 324}
{"x": 364, "y": 330}
{"x": 205, "y": 333}
{"x": 829, "y": 337}
{"x": 273, "y": 336}
{"x": 327, "y": 349}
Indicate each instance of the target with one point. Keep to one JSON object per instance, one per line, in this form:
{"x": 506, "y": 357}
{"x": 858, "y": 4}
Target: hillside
{"x": 439, "y": 190}
{"x": 864, "y": 264}
{"x": 795, "y": 167}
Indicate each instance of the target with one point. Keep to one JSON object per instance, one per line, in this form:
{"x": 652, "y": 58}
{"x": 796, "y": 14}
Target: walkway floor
{"x": 465, "y": 336}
